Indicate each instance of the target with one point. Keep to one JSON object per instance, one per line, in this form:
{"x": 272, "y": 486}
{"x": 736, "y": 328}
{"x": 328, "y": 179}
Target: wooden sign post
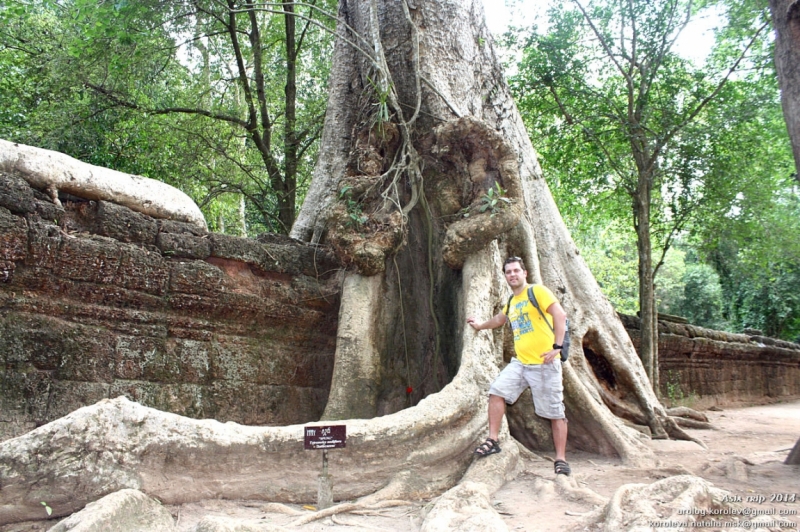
{"x": 324, "y": 438}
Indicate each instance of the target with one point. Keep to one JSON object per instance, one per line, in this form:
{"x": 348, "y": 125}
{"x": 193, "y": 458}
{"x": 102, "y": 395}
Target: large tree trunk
{"x": 786, "y": 19}
{"x": 648, "y": 345}
{"x": 468, "y": 136}
{"x": 391, "y": 198}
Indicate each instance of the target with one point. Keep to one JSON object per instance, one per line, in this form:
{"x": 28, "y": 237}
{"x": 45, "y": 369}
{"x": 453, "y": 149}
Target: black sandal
{"x": 488, "y": 447}
{"x": 562, "y": 467}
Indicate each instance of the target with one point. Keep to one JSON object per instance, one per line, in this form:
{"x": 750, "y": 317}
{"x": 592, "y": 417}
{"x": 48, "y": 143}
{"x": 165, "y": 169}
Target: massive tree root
{"x": 54, "y": 172}
{"x": 677, "y": 500}
{"x": 115, "y": 444}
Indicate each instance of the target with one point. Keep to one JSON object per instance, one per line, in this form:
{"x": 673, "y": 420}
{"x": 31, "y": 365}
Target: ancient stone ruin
{"x": 269, "y": 333}
{"x": 99, "y": 301}
{"x": 722, "y": 368}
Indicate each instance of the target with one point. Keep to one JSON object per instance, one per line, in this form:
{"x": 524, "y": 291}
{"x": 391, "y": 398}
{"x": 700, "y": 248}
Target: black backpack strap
{"x": 508, "y": 305}
{"x": 532, "y": 299}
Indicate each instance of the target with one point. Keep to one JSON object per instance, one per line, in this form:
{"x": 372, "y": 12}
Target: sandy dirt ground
{"x": 744, "y": 455}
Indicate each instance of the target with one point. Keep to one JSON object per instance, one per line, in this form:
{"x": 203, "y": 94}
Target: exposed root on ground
{"x": 666, "y": 472}
{"x": 346, "y": 508}
{"x": 688, "y": 413}
{"x": 467, "y": 506}
{"x": 569, "y": 488}
{"x": 677, "y": 433}
{"x": 734, "y": 467}
{"x": 692, "y": 424}
{"x": 278, "y": 508}
{"x": 342, "y": 522}
{"x": 678, "y": 498}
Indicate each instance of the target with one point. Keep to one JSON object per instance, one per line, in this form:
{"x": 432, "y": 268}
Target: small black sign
{"x": 330, "y": 437}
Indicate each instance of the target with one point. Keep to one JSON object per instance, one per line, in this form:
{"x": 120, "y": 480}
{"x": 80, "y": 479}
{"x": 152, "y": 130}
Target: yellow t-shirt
{"x": 532, "y": 335}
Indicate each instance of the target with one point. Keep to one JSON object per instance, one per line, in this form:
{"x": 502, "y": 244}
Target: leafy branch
{"x": 494, "y": 200}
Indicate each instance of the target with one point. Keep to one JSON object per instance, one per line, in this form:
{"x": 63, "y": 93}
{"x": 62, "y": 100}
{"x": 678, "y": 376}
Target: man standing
{"x": 538, "y": 337}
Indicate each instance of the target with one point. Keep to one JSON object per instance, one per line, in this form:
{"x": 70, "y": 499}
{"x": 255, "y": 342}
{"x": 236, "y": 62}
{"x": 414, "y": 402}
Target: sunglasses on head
{"x": 509, "y": 260}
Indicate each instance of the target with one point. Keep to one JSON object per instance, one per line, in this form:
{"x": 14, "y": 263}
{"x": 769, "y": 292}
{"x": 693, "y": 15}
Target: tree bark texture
{"x": 649, "y": 345}
{"x": 469, "y": 136}
{"x": 786, "y": 20}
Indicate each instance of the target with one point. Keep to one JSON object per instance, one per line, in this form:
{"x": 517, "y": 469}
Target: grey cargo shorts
{"x": 545, "y": 383}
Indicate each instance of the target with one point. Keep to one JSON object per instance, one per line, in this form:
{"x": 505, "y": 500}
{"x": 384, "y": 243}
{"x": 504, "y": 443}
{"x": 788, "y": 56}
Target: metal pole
{"x": 325, "y": 492}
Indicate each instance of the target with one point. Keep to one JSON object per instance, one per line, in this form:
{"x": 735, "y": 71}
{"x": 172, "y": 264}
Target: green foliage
{"x": 47, "y": 508}
{"x": 720, "y": 153}
{"x": 758, "y": 261}
{"x": 355, "y": 214}
{"x": 162, "y": 90}
{"x": 381, "y": 114}
{"x": 607, "y": 125}
{"x": 494, "y": 200}
{"x": 695, "y": 293}
{"x": 610, "y": 253}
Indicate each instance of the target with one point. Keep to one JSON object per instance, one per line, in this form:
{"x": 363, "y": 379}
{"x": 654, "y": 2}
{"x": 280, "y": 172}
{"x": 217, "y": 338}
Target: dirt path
{"x": 744, "y": 456}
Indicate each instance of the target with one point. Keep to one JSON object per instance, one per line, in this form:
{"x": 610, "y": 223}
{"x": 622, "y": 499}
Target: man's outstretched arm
{"x": 492, "y": 323}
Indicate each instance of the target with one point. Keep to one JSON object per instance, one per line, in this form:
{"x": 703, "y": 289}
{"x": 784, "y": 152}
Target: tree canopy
{"x": 224, "y": 100}
{"x": 628, "y": 130}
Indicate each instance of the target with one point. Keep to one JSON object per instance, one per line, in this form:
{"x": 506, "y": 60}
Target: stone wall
{"x": 99, "y": 301}
{"x": 720, "y": 368}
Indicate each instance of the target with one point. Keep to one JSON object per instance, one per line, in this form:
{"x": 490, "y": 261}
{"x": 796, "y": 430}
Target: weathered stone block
{"x": 86, "y": 353}
{"x": 123, "y": 224}
{"x": 31, "y": 339}
{"x": 67, "y": 396}
{"x": 297, "y": 258}
{"x": 241, "y": 249}
{"x": 162, "y": 360}
{"x": 143, "y": 358}
{"x": 273, "y": 405}
{"x": 194, "y": 359}
{"x": 180, "y": 228}
{"x": 184, "y": 246}
{"x": 94, "y": 259}
{"x": 238, "y": 359}
{"x": 26, "y": 393}
{"x": 13, "y": 236}
{"x": 44, "y": 244}
{"x": 142, "y": 270}
{"x": 46, "y": 210}
{"x": 184, "y": 399}
{"x": 196, "y": 277}
{"x": 15, "y": 194}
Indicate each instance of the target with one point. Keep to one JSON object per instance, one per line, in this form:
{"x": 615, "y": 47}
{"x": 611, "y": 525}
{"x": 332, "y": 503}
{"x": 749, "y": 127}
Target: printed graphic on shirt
{"x": 520, "y": 321}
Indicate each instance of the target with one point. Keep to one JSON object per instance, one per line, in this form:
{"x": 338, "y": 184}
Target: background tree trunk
{"x": 786, "y": 19}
